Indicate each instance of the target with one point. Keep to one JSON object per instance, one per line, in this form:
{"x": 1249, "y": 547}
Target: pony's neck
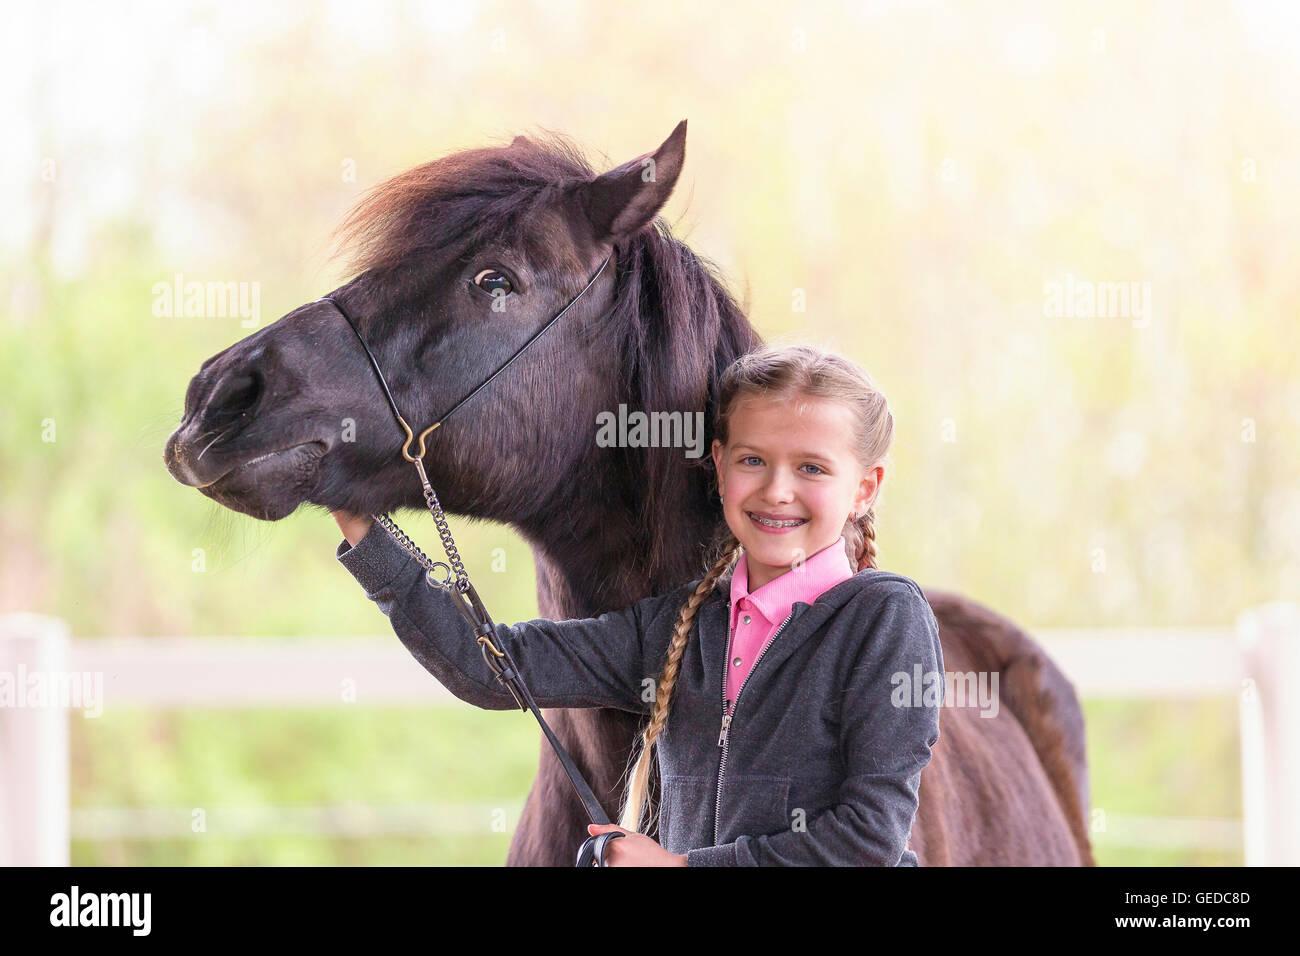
{"x": 591, "y": 557}
{"x": 643, "y": 520}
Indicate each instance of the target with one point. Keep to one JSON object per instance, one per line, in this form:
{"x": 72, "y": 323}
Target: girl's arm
{"x": 595, "y": 662}
{"x": 885, "y": 748}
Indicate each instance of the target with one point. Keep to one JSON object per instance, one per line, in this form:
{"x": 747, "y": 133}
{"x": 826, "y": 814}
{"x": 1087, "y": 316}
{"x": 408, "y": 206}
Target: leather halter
{"x": 410, "y": 436}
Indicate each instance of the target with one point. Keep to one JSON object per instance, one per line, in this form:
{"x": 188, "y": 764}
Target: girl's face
{"x": 790, "y": 462}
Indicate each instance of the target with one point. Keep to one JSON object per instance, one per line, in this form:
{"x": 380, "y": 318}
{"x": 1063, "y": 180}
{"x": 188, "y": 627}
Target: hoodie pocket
{"x": 686, "y": 812}
{"x": 753, "y": 805}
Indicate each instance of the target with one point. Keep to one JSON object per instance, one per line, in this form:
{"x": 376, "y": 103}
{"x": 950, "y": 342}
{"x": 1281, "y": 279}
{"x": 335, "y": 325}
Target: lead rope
{"x": 457, "y": 585}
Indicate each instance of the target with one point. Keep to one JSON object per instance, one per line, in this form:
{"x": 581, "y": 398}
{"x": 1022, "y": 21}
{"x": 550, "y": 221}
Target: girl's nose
{"x": 780, "y": 490}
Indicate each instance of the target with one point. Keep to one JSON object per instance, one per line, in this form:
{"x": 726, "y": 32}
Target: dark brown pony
{"x": 457, "y": 262}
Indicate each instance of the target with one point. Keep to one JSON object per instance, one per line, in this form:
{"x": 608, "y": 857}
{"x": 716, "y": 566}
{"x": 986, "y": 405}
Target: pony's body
{"x": 608, "y": 526}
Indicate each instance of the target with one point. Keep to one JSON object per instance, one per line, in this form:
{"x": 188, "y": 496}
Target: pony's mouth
{"x": 252, "y": 462}
{"x": 270, "y": 486}
{"x": 268, "y": 457}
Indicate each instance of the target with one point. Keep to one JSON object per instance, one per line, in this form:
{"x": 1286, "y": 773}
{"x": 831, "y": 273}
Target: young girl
{"x": 788, "y": 720}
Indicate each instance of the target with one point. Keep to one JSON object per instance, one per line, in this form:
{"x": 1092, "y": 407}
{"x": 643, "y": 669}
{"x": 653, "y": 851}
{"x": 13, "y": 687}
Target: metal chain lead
{"x": 444, "y": 532}
{"x": 400, "y": 537}
{"x": 457, "y": 568}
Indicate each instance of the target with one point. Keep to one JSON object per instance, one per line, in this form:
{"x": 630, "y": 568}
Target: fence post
{"x": 34, "y": 807}
{"x": 1269, "y": 636}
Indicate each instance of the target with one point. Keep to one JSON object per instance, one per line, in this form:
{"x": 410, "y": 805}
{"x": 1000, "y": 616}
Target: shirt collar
{"x": 773, "y": 600}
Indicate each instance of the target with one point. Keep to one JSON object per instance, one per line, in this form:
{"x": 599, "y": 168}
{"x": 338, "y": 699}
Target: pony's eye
{"x": 493, "y": 282}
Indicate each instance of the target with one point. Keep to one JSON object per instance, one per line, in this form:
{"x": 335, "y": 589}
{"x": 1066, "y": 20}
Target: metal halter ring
{"x": 434, "y": 582}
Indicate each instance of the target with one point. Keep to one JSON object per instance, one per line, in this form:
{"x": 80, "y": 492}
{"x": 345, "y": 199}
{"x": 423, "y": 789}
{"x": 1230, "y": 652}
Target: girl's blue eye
{"x": 748, "y": 458}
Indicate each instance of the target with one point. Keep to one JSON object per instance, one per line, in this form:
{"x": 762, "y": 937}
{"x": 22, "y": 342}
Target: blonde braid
{"x": 635, "y": 799}
{"x": 860, "y": 540}
{"x": 867, "y": 549}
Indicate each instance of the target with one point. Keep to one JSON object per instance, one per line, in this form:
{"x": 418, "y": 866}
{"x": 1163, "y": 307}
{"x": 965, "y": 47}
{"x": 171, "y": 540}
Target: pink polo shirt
{"x": 756, "y": 617}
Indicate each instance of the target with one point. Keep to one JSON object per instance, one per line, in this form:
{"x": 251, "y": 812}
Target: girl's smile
{"x": 776, "y": 524}
{"x": 789, "y": 480}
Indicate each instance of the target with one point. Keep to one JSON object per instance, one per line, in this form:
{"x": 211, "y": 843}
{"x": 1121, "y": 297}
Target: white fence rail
{"x": 1258, "y": 662}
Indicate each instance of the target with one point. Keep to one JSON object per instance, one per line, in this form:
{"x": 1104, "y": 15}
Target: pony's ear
{"x": 520, "y": 140}
{"x": 627, "y": 197}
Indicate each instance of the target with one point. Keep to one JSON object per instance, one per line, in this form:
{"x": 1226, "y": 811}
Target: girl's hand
{"x": 354, "y": 527}
{"x": 635, "y": 849}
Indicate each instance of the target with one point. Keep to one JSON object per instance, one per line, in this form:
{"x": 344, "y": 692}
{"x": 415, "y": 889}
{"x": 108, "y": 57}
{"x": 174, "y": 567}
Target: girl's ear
{"x": 869, "y": 489}
{"x": 717, "y": 464}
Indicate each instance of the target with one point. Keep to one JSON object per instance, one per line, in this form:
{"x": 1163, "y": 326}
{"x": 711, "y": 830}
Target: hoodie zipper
{"x": 727, "y": 715}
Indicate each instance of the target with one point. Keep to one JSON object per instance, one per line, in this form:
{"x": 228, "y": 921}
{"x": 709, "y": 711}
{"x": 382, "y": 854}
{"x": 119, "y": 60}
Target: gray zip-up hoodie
{"x": 822, "y": 758}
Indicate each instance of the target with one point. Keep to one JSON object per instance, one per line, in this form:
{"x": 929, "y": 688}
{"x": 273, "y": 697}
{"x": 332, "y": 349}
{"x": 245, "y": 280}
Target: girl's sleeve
{"x": 886, "y": 739}
{"x": 594, "y": 662}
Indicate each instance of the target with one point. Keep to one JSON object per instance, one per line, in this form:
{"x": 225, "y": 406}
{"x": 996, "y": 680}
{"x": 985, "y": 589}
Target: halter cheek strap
{"x": 410, "y": 435}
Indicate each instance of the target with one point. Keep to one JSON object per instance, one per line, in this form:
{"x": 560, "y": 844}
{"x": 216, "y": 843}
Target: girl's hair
{"x": 788, "y": 372}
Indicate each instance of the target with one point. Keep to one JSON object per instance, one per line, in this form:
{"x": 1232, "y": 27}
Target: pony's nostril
{"x": 237, "y": 394}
